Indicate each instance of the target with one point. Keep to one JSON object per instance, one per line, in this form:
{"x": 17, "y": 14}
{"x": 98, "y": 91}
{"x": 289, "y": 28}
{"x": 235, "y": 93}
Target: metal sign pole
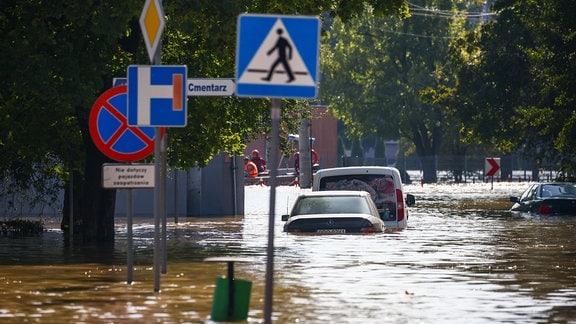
{"x": 175, "y": 196}
{"x": 152, "y": 24}
{"x": 275, "y": 115}
{"x": 249, "y": 64}
{"x": 71, "y": 213}
{"x": 129, "y": 244}
{"x": 158, "y": 192}
{"x": 157, "y": 209}
{"x": 163, "y": 201}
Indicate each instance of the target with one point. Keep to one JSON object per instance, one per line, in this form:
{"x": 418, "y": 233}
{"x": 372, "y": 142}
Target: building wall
{"x": 323, "y": 128}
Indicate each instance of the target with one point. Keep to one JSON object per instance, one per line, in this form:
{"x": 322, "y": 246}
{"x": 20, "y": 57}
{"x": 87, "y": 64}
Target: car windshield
{"x": 554, "y": 190}
{"x": 529, "y": 194}
{"x": 331, "y": 205}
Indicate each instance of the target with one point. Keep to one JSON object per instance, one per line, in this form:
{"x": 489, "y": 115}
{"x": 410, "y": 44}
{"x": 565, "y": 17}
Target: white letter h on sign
{"x": 148, "y": 91}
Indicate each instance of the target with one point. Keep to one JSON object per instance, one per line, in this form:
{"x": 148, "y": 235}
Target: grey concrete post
{"x": 304, "y": 146}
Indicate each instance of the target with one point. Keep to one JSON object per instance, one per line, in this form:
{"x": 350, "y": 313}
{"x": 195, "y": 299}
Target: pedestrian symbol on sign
{"x": 282, "y": 46}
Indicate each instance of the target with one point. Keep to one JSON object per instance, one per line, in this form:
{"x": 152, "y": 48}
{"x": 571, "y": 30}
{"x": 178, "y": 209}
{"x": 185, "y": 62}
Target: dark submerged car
{"x": 550, "y": 198}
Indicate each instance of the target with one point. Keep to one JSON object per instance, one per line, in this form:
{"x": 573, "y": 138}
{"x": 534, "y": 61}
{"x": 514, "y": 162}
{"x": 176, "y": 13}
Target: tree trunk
{"x": 429, "y": 168}
{"x": 94, "y": 206}
{"x": 536, "y": 170}
{"x": 506, "y": 168}
{"x": 427, "y": 153}
{"x": 427, "y": 142}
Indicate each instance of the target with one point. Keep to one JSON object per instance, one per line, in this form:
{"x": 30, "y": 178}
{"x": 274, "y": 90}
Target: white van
{"x": 383, "y": 183}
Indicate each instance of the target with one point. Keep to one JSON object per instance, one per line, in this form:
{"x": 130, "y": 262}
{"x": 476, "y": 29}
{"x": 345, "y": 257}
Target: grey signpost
{"x": 128, "y": 176}
{"x": 152, "y": 22}
{"x": 136, "y": 146}
{"x": 276, "y": 57}
{"x": 167, "y": 83}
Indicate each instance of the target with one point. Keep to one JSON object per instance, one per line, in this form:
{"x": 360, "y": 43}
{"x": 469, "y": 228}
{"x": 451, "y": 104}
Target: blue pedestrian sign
{"x": 277, "y": 56}
{"x": 157, "y": 95}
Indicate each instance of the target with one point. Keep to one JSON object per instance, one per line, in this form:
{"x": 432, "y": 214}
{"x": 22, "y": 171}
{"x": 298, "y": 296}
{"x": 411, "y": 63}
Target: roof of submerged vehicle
{"x": 356, "y": 171}
{"x": 334, "y": 202}
{"x": 334, "y": 193}
{"x": 359, "y": 169}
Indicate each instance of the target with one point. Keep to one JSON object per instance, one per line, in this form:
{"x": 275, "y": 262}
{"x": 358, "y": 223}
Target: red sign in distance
{"x": 492, "y": 166}
{"x": 110, "y": 132}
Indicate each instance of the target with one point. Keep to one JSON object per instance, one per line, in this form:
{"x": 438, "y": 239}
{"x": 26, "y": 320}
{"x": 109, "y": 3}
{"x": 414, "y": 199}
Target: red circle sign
{"x": 111, "y": 133}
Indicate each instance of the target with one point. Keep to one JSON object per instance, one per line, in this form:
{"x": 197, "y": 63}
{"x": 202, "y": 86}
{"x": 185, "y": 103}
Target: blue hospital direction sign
{"x": 157, "y": 95}
{"x": 277, "y": 56}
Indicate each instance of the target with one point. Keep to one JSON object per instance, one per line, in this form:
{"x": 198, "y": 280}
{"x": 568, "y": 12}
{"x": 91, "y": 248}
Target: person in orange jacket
{"x": 250, "y": 169}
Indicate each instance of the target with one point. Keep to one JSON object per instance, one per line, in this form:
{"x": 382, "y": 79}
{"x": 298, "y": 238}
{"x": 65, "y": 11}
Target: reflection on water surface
{"x": 463, "y": 256}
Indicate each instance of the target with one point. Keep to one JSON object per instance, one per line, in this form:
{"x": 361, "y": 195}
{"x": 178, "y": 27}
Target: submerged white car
{"x": 333, "y": 212}
{"x": 384, "y": 185}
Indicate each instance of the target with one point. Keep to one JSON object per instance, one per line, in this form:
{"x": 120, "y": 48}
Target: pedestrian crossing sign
{"x": 277, "y": 56}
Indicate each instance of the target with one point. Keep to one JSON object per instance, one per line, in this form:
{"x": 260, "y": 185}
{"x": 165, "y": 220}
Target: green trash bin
{"x": 225, "y": 308}
{"x": 231, "y": 296}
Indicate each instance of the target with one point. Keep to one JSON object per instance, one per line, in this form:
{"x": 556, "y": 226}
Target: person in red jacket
{"x": 259, "y": 161}
{"x": 297, "y": 161}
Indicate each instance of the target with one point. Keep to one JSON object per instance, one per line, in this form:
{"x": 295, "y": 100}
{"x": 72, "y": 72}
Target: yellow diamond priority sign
{"x": 152, "y": 23}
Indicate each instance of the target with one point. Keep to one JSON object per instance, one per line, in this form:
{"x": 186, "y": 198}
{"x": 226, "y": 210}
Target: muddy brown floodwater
{"x": 464, "y": 257}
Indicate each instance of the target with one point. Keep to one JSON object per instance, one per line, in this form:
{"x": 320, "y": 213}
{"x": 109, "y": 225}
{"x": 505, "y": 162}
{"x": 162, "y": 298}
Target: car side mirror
{"x": 514, "y": 199}
{"x": 410, "y": 200}
{"x": 285, "y": 217}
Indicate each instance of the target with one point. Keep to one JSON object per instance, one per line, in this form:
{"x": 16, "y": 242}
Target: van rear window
{"x": 356, "y": 182}
{"x": 380, "y": 187}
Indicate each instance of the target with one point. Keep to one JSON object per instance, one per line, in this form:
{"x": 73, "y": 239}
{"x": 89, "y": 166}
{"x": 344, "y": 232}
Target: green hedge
{"x": 21, "y": 227}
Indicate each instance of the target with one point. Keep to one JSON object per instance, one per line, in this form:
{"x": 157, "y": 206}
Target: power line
{"x": 417, "y": 10}
{"x": 411, "y": 34}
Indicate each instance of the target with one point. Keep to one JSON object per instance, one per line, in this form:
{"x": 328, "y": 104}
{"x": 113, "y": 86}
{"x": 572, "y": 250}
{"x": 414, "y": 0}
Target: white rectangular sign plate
{"x": 127, "y": 175}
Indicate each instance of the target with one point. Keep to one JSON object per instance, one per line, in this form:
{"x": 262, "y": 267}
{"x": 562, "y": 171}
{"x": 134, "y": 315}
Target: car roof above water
{"x": 332, "y": 193}
{"x": 359, "y": 170}
{"x": 367, "y": 173}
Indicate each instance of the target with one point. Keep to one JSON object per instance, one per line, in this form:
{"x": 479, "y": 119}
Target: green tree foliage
{"x": 516, "y": 81}
{"x": 56, "y": 58}
{"x": 378, "y": 69}
{"x": 59, "y": 56}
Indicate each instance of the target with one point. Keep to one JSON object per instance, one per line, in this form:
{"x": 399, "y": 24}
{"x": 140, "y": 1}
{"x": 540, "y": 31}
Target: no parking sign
{"x": 111, "y": 133}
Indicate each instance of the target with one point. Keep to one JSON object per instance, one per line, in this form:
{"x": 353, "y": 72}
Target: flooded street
{"x": 462, "y": 257}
